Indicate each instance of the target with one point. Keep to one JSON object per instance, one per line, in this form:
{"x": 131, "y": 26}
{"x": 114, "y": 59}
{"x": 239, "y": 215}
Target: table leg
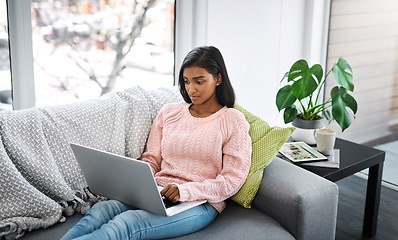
{"x": 372, "y": 200}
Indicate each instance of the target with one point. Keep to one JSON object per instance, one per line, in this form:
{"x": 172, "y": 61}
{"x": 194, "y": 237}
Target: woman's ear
{"x": 219, "y": 79}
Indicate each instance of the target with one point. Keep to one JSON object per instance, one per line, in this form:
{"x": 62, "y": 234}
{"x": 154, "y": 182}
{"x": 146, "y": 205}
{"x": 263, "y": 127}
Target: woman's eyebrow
{"x": 194, "y": 78}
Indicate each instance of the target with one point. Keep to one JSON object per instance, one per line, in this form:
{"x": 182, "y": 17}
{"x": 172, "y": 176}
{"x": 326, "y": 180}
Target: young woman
{"x": 198, "y": 149}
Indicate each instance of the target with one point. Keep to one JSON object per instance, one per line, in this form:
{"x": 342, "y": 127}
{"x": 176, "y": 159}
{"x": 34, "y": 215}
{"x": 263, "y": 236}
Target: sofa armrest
{"x": 303, "y": 202}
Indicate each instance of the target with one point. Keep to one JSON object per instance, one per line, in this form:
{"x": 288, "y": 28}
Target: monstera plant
{"x": 304, "y": 89}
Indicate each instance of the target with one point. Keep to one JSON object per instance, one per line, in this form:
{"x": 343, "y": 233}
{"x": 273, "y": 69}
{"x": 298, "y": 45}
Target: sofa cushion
{"x": 54, "y": 232}
{"x": 236, "y": 222}
{"x": 266, "y": 142}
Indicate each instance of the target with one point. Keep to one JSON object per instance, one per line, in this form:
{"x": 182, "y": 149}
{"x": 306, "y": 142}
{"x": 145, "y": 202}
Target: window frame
{"x": 21, "y": 54}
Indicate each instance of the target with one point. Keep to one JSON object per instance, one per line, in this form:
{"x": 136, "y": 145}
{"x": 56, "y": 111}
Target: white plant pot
{"x": 305, "y": 129}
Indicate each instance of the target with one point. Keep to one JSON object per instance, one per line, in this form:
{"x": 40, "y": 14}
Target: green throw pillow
{"x": 266, "y": 142}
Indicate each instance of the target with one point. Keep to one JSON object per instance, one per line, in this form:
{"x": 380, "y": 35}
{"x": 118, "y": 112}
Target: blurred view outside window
{"x": 86, "y": 48}
{"x": 5, "y": 74}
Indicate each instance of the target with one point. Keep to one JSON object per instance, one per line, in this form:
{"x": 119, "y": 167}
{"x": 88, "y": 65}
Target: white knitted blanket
{"x": 40, "y": 181}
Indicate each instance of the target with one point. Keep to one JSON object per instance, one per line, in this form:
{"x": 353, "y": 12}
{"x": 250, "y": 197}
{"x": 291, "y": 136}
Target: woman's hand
{"x": 171, "y": 193}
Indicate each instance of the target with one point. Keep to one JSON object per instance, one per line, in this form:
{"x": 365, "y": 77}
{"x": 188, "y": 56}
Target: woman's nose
{"x": 191, "y": 89}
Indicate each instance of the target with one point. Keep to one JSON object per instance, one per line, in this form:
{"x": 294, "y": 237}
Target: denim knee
{"x": 111, "y": 208}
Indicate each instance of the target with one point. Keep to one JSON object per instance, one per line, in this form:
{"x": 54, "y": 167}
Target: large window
{"x": 86, "y": 48}
{"x": 5, "y": 76}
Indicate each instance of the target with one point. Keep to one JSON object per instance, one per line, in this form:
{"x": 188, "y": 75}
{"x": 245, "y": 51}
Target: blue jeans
{"x": 114, "y": 220}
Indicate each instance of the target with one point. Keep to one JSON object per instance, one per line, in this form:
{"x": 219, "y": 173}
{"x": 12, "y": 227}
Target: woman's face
{"x": 201, "y": 85}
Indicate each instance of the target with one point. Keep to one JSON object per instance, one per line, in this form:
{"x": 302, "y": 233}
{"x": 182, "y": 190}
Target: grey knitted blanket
{"x": 40, "y": 181}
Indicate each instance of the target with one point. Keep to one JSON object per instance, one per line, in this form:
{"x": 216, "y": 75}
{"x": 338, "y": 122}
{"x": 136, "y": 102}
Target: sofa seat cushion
{"x": 237, "y": 222}
{"x": 54, "y": 232}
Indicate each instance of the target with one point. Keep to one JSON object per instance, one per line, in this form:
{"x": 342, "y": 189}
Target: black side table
{"x": 354, "y": 158}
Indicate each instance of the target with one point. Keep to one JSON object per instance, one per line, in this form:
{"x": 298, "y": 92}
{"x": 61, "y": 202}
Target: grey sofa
{"x": 291, "y": 203}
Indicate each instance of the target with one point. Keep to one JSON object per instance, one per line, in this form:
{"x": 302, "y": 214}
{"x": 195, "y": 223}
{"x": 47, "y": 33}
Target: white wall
{"x": 259, "y": 40}
{"x": 248, "y": 36}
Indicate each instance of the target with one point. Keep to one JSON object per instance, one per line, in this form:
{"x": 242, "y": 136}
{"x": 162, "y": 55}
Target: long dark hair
{"x": 209, "y": 58}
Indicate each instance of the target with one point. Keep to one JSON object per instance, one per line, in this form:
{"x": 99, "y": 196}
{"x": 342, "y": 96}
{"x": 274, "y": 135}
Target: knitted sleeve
{"x": 153, "y": 152}
{"x": 236, "y": 163}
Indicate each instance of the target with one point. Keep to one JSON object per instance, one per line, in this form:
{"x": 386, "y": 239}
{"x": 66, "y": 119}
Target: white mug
{"x": 325, "y": 139}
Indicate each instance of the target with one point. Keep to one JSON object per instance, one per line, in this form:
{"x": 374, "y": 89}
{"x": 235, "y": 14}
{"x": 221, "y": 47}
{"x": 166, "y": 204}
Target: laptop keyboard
{"x": 168, "y": 203}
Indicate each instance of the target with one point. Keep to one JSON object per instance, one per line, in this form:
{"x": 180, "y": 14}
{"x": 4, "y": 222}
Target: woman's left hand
{"x": 171, "y": 193}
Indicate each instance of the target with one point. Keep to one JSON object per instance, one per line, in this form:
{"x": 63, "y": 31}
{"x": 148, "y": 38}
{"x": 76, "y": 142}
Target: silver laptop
{"x": 125, "y": 179}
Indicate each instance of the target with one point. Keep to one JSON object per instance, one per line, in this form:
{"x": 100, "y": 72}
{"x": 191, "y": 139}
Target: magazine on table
{"x": 332, "y": 162}
{"x": 301, "y": 152}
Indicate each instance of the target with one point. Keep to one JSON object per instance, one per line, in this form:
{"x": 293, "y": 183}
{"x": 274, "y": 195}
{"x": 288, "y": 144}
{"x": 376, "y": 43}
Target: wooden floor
{"x": 351, "y": 209}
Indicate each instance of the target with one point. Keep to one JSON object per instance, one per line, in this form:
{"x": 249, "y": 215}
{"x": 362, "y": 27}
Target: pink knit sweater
{"x": 207, "y": 158}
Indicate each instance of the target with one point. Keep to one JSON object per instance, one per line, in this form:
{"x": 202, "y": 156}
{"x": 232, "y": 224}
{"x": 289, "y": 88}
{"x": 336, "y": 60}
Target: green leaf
{"x": 341, "y": 100}
{"x": 317, "y": 72}
{"x": 305, "y": 79}
{"x": 285, "y": 97}
{"x": 350, "y": 102}
{"x": 290, "y": 114}
{"x": 297, "y": 70}
{"x": 343, "y": 74}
